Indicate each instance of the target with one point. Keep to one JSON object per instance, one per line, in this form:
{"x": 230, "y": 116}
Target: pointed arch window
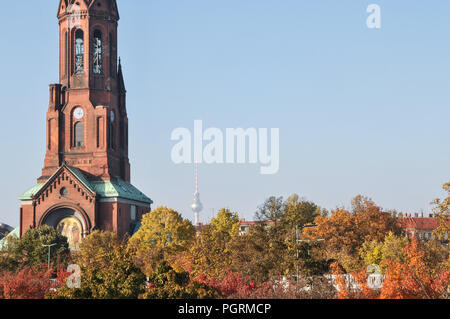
{"x": 79, "y": 52}
{"x": 79, "y": 134}
{"x": 97, "y": 61}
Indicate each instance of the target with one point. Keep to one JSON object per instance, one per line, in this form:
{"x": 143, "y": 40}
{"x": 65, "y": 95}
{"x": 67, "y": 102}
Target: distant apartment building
{"x": 414, "y": 225}
{"x": 419, "y": 226}
{"x": 245, "y": 225}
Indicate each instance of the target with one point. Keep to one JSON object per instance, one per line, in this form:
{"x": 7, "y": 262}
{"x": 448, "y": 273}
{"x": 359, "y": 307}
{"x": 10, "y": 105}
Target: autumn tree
{"x": 340, "y": 238}
{"x": 310, "y": 259}
{"x": 392, "y": 248}
{"x": 371, "y": 221}
{"x": 29, "y": 282}
{"x": 344, "y": 232}
{"x": 408, "y": 275}
{"x": 226, "y": 222}
{"x": 107, "y": 270}
{"x": 232, "y": 286}
{"x": 210, "y": 252}
{"x": 8, "y": 261}
{"x": 290, "y": 213}
{"x": 270, "y": 248}
{"x": 271, "y": 210}
{"x": 263, "y": 253}
{"x": 413, "y": 278}
{"x": 163, "y": 234}
{"x": 436, "y": 254}
{"x": 358, "y": 289}
{"x": 166, "y": 283}
{"x": 442, "y": 210}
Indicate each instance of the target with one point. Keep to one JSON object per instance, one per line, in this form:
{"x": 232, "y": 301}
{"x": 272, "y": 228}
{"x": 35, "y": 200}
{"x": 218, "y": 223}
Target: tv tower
{"x": 197, "y": 206}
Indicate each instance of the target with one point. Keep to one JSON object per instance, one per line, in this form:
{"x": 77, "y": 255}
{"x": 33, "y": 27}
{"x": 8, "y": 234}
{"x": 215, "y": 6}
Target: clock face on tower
{"x": 78, "y": 113}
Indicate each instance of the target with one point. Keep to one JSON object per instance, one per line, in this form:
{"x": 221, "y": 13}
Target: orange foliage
{"x": 410, "y": 279}
{"x": 349, "y": 230}
{"x": 345, "y": 291}
{"x": 413, "y": 279}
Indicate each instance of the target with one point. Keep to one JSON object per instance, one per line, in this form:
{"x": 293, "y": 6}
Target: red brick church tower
{"x": 85, "y": 182}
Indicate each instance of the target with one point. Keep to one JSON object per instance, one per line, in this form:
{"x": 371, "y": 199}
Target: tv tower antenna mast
{"x": 197, "y": 206}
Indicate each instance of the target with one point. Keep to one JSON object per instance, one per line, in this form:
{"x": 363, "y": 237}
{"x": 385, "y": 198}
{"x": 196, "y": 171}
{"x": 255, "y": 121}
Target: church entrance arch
{"x": 69, "y": 223}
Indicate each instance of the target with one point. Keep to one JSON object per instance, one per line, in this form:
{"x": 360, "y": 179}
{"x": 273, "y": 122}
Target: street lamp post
{"x": 49, "y": 247}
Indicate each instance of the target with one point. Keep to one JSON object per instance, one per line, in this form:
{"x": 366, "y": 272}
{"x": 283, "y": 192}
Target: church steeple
{"x": 87, "y": 119}
{"x": 88, "y": 37}
{"x": 85, "y": 183}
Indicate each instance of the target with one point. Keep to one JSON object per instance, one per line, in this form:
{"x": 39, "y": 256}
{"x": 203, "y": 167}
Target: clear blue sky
{"x": 359, "y": 110}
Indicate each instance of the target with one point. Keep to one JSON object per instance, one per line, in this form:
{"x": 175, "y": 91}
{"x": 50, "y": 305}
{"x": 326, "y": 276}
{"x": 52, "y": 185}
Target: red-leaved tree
{"x": 30, "y": 283}
{"x": 232, "y": 286}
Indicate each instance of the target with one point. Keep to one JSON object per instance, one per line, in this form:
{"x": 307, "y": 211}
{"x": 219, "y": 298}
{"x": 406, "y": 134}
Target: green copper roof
{"x": 119, "y": 188}
{"x": 15, "y": 232}
{"x": 75, "y": 171}
{"x": 29, "y": 193}
{"x": 105, "y": 189}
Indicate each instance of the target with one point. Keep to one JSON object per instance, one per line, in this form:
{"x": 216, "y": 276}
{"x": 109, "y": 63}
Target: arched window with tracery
{"x": 79, "y": 52}
{"x": 97, "y": 60}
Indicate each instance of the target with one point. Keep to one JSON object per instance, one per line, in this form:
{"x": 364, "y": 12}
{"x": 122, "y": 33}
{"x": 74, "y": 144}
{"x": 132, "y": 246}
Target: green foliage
{"x": 166, "y": 283}
{"x": 8, "y": 261}
{"x": 310, "y": 262}
{"x": 268, "y": 251}
{"x": 436, "y": 255}
{"x": 299, "y": 212}
{"x": 226, "y": 222}
{"x": 272, "y": 210}
{"x": 290, "y": 213}
{"x": 260, "y": 254}
{"x": 30, "y": 250}
{"x": 392, "y": 249}
{"x": 107, "y": 270}
{"x": 371, "y": 252}
{"x": 210, "y": 253}
{"x": 163, "y": 234}
{"x": 394, "y": 246}
{"x": 219, "y": 262}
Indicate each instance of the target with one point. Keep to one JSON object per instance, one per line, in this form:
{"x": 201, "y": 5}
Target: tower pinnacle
{"x": 197, "y": 206}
